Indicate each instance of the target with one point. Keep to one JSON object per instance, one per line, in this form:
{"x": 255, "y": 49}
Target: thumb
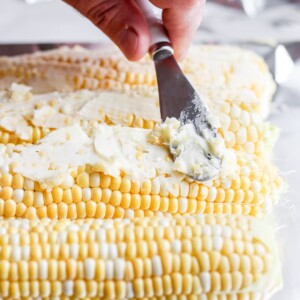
{"x": 121, "y": 20}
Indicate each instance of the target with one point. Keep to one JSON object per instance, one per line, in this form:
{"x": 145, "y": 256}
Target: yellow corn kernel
{"x": 17, "y": 181}
{"x": 9, "y": 208}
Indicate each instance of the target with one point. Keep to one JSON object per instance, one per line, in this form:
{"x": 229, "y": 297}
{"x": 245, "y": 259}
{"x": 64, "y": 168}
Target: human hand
{"x": 123, "y": 22}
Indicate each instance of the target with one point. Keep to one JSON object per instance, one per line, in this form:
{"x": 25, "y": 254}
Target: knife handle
{"x": 160, "y": 45}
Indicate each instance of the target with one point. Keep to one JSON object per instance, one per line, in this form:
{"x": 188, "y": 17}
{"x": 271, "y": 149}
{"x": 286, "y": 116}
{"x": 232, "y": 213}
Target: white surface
{"x": 56, "y": 22}
{"x": 278, "y": 22}
{"x": 52, "y": 21}
{"x": 285, "y": 114}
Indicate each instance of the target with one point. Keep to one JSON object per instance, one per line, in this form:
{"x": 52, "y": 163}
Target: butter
{"x": 15, "y": 105}
{"x": 118, "y": 106}
{"x": 20, "y": 109}
{"x": 20, "y": 92}
{"x": 128, "y": 149}
{"x": 109, "y": 149}
{"x": 190, "y": 150}
{"x": 78, "y": 140}
{"x": 51, "y": 160}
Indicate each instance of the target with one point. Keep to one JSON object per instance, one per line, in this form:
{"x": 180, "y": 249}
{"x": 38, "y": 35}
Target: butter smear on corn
{"x": 20, "y": 109}
{"x": 190, "y": 150}
{"x": 113, "y": 150}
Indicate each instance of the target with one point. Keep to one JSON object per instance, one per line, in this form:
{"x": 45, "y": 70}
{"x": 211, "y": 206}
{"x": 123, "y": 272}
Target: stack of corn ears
{"x": 82, "y": 220}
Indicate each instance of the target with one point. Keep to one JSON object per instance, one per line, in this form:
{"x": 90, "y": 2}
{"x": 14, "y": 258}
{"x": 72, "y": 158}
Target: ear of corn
{"x": 239, "y": 110}
{"x": 88, "y": 192}
{"x": 77, "y": 68}
{"x": 242, "y": 85}
{"x": 212, "y": 257}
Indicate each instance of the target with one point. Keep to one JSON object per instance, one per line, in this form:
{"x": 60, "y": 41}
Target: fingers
{"x": 121, "y": 21}
{"x": 181, "y": 19}
{"x": 163, "y": 4}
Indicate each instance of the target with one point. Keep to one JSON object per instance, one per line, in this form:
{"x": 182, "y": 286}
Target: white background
{"x": 56, "y": 22}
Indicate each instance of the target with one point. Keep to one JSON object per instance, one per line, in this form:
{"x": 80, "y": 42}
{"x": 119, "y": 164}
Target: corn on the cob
{"x": 241, "y": 125}
{"x": 247, "y": 186}
{"x": 203, "y": 257}
{"x": 223, "y": 65}
{"x": 241, "y": 89}
{"x": 25, "y": 117}
{"x": 50, "y": 74}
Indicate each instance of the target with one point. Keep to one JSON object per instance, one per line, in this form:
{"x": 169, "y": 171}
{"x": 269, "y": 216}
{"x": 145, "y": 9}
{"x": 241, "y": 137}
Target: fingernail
{"x": 182, "y": 54}
{"x": 128, "y": 42}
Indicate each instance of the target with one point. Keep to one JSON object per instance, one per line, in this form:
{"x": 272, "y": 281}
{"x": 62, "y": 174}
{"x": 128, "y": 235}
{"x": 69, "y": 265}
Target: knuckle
{"x": 101, "y": 12}
{"x": 193, "y": 3}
